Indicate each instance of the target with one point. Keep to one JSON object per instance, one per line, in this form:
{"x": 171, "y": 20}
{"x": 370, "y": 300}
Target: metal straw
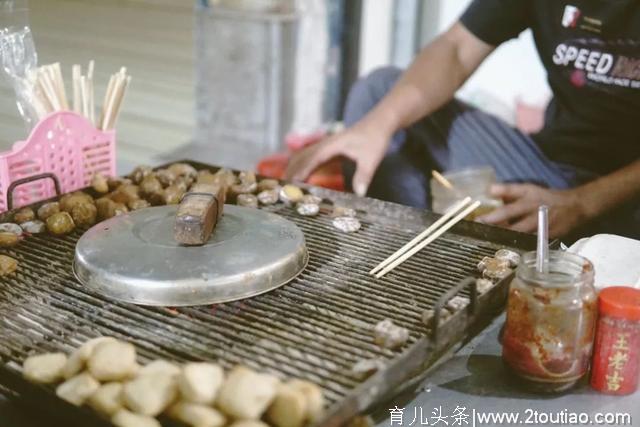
{"x": 542, "y": 255}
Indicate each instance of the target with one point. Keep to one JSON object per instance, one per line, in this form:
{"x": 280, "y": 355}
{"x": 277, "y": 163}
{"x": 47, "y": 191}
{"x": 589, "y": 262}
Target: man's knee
{"x": 368, "y": 91}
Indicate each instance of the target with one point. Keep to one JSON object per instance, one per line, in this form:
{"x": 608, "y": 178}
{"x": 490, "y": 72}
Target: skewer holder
{"x": 64, "y": 144}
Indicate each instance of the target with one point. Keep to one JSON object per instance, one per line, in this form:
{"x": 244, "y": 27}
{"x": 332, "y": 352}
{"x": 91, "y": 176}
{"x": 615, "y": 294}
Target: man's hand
{"x": 365, "y": 146}
{"x": 520, "y": 212}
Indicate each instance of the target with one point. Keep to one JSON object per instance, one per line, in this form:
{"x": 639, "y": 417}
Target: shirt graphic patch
{"x": 570, "y": 16}
{"x": 593, "y": 61}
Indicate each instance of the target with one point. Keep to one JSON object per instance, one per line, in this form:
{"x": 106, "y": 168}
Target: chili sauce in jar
{"x": 616, "y": 358}
{"x": 551, "y": 317}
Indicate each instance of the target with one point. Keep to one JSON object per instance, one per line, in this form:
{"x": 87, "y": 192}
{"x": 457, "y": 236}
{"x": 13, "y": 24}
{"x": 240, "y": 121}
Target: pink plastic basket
{"x": 64, "y": 144}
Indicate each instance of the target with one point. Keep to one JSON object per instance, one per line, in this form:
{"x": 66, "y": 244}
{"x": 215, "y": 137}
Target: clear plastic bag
{"x": 18, "y": 57}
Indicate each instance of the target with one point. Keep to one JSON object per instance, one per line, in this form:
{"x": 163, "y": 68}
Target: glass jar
{"x": 472, "y": 182}
{"x": 616, "y": 357}
{"x": 548, "y": 336}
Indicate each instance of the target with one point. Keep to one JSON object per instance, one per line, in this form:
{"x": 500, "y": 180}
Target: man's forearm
{"x": 431, "y": 80}
{"x": 608, "y": 192}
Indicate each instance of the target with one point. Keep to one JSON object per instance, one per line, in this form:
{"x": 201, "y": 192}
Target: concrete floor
{"x": 152, "y": 38}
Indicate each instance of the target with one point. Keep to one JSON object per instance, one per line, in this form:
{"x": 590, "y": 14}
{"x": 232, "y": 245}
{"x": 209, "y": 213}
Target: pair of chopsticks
{"x": 118, "y": 84}
{"x": 83, "y": 102}
{"x": 457, "y": 213}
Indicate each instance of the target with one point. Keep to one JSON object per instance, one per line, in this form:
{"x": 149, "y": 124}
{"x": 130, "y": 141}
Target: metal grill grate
{"x": 315, "y": 328}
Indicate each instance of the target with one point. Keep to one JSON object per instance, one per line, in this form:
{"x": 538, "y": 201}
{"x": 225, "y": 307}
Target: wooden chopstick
{"x": 442, "y": 180}
{"x": 454, "y": 210}
{"x": 430, "y": 239}
{"x": 92, "y": 108}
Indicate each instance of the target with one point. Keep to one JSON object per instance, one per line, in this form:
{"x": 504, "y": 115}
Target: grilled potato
{"x": 68, "y": 201}
{"x": 84, "y": 214}
{"x": 289, "y": 408}
{"x": 207, "y": 177}
{"x": 77, "y": 389}
{"x": 8, "y": 239}
{"x": 268, "y": 184}
{"x": 125, "y": 193}
{"x": 193, "y": 414}
{"x": 107, "y": 208}
{"x": 115, "y": 182}
{"x": 245, "y": 394}
{"x": 247, "y": 200}
{"x": 60, "y": 224}
{"x": 183, "y": 183}
{"x": 297, "y": 403}
{"x": 160, "y": 367}
{"x": 150, "y": 185}
{"x": 44, "y": 368}
{"x": 200, "y": 382}
{"x": 134, "y": 205}
{"x": 227, "y": 177}
{"x": 247, "y": 177}
{"x": 48, "y": 209}
{"x": 157, "y": 199}
{"x": 140, "y": 173}
{"x": 290, "y": 194}
{"x": 124, "y": 418}
{"x": 107, "y": 399}
{"x": 99, "y": 183}
{"x": 184, "y": 170}
{"x": 150, "y": 394}
{"x": 166, "y": 177}
{"x": 173, "y": 194}
{"x": 236, "y": 190}
{"x": 314, "y": 397}
{"x": 78, "y": 359}
{"x": 113, "y": 361}
{"x": 8, "y": 265}
{"x": 249, "y": 423}
{"x": 24, "y": 215}
{"x": 389, "y": 335}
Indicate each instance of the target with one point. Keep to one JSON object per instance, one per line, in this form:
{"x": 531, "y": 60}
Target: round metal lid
{"x": 134, "y": 258}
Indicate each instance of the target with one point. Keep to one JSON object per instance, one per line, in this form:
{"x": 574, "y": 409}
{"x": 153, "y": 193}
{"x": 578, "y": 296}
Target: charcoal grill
{"x": 315, "y": 328}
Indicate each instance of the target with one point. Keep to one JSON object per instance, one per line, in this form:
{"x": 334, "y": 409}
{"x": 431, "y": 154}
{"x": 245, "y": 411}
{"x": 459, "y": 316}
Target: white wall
{"x": 513, "y": 71}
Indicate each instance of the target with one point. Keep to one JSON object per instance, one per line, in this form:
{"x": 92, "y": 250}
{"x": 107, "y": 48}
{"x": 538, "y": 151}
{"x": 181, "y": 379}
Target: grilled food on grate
{"x": 104, "y": 374}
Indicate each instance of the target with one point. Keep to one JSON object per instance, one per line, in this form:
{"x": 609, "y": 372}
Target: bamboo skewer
{"x": 76, "y": 71}
{"x": 107, "y": 96}
{"x": 49, "y": 90}
{"x": 49, "y": 93}
{"x": 84, "y": 96}
{"x": 111, "y": 101}
{"x": 118, "y": 102}
{"x": 430, "y": 239}
{"x": 416, "y": 240}
{"x": 92, "y": 109}
{"x": 62, "y": 92}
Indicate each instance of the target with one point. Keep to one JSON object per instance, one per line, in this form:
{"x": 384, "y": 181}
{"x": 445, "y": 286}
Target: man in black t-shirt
{"x": 584, "y": 164}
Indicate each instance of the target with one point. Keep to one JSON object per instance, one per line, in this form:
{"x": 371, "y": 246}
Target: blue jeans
{"x": 456, "y": 137}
